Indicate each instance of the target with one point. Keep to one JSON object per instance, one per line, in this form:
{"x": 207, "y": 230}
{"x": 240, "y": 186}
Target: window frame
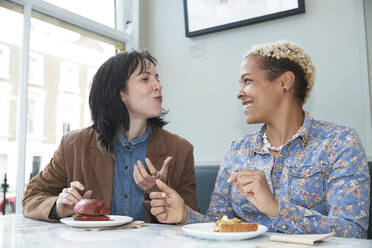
{"x": 118, "y": 36}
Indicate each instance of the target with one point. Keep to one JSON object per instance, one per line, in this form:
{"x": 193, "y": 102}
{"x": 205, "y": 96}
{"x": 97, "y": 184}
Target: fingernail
{"x": 163, "y": 195}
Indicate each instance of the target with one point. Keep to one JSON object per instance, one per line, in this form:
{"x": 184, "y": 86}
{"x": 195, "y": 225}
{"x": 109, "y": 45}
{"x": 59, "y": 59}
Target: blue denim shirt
{"x": 320, "y": 179}
{"x": 127, "y": 196}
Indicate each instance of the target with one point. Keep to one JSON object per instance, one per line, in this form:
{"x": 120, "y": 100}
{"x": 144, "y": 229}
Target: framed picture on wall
{"x": 206, "y": 16}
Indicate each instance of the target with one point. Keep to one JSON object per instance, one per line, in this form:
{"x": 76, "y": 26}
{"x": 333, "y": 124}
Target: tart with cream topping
{"x": 233, "y": 225}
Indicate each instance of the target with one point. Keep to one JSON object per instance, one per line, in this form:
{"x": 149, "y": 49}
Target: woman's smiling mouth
{"x": 247, "y": 104}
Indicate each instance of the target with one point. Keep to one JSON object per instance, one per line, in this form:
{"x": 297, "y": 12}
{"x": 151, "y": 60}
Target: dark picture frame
{"x": 207, "y": 16}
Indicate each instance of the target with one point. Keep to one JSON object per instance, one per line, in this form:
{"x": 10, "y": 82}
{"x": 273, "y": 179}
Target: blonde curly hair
{"x": 281, "y": 51}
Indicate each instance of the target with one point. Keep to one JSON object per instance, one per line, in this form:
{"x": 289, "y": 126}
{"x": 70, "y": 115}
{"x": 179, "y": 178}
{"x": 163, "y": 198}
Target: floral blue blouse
{"x": 320, "y": 179}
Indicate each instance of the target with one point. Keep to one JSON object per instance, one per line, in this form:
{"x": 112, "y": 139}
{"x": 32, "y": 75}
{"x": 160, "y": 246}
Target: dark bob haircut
{"x": 109, "y": 113}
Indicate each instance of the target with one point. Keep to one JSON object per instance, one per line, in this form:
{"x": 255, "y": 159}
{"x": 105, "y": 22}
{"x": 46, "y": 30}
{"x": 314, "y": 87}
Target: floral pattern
{"x": 320, "y": 179}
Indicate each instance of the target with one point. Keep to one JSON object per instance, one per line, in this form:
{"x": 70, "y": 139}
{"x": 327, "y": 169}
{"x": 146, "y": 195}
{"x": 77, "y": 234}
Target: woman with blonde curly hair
{"x": 295, "y": 174}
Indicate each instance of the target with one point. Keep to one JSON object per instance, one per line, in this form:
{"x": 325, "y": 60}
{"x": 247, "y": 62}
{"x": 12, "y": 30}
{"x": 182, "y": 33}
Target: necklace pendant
{"x": 274, "y": 149}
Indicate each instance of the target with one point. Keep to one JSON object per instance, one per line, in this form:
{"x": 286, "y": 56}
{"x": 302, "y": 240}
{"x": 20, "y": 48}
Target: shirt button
{"x": 125, "y": 196}
{"x": 126, "y": 167}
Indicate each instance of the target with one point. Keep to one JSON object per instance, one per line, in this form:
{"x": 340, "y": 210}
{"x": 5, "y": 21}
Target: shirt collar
{"x": 306, "y": 129}
{"x": 124, "y": 142}
{"x": 259, "y": 145}
{"x": 304, "y": 133}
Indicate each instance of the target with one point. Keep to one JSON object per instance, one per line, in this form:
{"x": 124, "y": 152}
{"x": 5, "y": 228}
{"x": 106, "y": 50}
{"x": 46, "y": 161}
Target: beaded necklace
{"x": 275, "y": 148}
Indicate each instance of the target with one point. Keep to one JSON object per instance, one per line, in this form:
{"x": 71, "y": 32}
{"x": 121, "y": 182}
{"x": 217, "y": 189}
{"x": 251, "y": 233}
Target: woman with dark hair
{"x": 295, "y": 174}
{"x": 119, "y": 157}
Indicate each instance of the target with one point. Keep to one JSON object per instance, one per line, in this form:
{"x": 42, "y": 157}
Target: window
{"x": 56, "y": 107}
{"x": 36, "y": 69}
{"x": 69, "y": 77}
{"x": 10, "y": 41}
{"x": 99, "y": 11}
{"x": 68, "y": 113}
{"x": 36, "y": 160}
{"x": 3, "y": 171}
{"x": 66, "y": 127}
{"x": 35, "y": 113}
{"x": 62, "y": 51}
{"x": 4, "y": 61}
{"x": 87, "y": 117}
{"x": 31, "y": 116}
{"x": 5, "y": 93}
{"x": 3, "y": 165}
{"x": 90, "y": 74}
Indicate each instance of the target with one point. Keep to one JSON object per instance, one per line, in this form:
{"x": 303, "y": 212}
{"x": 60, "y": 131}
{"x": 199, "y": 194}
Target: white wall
{"x": 200, "y": 75}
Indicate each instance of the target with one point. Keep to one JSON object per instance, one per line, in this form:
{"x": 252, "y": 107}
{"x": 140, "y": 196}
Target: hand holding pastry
{"x": 69, "y": 197}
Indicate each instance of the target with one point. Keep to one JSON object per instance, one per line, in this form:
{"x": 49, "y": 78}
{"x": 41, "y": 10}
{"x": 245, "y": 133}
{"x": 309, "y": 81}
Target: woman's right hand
{"x": 145, "y": 180}
{"x": 168, "y": 206}
{"x": 68, "y": 198}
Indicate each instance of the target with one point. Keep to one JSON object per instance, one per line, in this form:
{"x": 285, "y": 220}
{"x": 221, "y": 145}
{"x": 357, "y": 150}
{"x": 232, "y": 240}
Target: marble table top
{"x": 19, "y": 231}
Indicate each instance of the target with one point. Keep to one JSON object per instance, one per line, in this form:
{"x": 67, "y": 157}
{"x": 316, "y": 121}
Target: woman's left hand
{"x": 145, "y": 180}
{"x": 253, "y": 185}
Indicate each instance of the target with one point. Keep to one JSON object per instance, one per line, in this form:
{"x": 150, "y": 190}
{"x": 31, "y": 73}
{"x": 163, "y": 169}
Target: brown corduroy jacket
{"x": 78, "y": 158}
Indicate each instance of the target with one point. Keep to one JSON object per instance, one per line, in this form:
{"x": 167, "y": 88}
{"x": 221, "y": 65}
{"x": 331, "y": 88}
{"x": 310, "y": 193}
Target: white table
{"x": 18, "y": 231}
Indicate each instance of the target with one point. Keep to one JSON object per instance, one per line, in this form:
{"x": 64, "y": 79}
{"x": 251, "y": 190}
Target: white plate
{"x": 205, "y": 231}
{"x": 116, "y": 220}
